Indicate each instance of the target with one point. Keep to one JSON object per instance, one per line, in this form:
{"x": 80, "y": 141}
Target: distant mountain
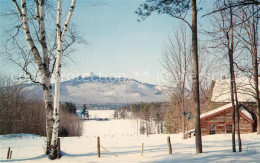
{"x": 92, "y": 89}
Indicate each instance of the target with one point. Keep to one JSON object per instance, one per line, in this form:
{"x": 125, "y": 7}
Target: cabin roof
{"x": 245, "y": 91}
{"x": 223, "y": 108}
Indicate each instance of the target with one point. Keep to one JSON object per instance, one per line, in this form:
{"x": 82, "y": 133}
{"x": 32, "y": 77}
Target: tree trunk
{"x": 231, "y": 72}
{"x": 233, "y": 87}
{"x": 43, "y": 67}
{"x": 60, "y": 39}
{"x": 254, "y": 51}
{"x": 255, "y": 69}
{"x": 162, "y": 127}
{"x": 238, "y": 115}
{"x": 49, "y": 113}
{"x": 183, "y": 114}
{"x": 234, "y": 92}
{"x": 147, "y": 128}
{"x": 195, "y": 77}
{"x": 158, "y": 127}
{"x": 46, "y": 77}
{"x": 232, "y": 101}
{"x": 56, "y": 112}
{"x": 56, "y": 105}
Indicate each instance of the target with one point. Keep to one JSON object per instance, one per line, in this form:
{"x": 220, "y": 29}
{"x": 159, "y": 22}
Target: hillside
{"x": 92, "y": 89}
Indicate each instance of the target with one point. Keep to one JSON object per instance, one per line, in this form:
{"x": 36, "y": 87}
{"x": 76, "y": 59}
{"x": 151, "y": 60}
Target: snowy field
{"x": 120, "y": 137}
{"x": 101, "y": 114}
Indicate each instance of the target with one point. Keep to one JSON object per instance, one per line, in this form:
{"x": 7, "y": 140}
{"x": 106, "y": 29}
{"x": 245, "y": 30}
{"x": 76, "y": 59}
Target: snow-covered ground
{"x": 101, "y": 113}
{"x": 120, "y": 137}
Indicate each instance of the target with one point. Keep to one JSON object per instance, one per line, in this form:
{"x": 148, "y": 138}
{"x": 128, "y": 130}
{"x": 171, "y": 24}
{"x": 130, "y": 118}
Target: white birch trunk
{"x": 28, "y": 36}
{"x": 43, "y": 66}
{"x": 60, "y": 39}
{"x": 40, "y": 14}
{"x": 49, "y": 111}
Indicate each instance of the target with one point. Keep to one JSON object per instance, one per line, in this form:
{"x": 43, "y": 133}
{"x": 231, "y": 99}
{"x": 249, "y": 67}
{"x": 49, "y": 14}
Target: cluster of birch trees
{"x": 34, "y": 46}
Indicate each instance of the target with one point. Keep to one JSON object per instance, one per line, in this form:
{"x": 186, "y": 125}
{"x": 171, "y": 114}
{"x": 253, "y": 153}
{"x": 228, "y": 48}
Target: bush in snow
{"x": 23, "y": 112}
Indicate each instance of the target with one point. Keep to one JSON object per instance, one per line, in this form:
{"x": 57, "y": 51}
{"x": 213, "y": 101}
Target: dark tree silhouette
{"x": 179, "y": 9}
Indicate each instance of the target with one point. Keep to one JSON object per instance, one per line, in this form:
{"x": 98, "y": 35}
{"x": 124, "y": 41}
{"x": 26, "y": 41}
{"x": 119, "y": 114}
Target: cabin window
{"x": 229, "y": 128}
{"x": 212, "y": 129}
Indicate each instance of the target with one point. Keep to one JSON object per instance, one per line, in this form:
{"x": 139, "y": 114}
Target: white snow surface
{"x": 216, "y": 110}
{"x": 121, "y": 138}
{"x": 88, "y": 75}
{"x": 101, "y": 113}
{"x": 246, "y": 113}
{"x": 221, "y": 90}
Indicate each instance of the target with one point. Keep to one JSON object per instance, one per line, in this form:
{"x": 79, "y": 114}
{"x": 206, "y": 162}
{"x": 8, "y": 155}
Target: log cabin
{"x": 219, "y": 121}
{"x": 218, "y": 118}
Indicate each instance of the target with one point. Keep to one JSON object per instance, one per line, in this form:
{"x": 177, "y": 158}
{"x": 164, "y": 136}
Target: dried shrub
{"x": 70, "y": 123}
{"x": 21, "y": 111}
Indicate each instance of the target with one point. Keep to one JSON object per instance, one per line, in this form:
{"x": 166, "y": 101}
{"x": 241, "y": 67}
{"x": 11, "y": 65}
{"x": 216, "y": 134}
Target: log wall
{"x": 223, "y": 119}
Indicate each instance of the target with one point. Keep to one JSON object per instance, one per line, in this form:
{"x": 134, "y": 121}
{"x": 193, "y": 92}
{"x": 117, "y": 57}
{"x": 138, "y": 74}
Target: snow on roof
{"x": 221, "y": 90}
{"x": 246, "y": 113}
{"x": 224, "y": 107}
{"x": 216, "y": 110}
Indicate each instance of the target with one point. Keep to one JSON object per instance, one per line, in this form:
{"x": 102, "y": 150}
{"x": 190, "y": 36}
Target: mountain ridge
{"x": 93, "y": 89}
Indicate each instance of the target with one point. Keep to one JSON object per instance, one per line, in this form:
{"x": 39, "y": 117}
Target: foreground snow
{"x": 120, "y": 137}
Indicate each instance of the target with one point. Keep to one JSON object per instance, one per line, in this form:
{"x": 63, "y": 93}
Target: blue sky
{"x": 118, "y": 45}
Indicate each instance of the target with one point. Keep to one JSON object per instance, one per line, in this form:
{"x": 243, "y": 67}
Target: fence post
{"x": 8, "y": 152}
{"x": 142, "y": 151}
{"x": 169, "y": 145}
{"x": 58, "y": 149}
{"x": 10, "y": 156}
{"x": 98, "y": 146}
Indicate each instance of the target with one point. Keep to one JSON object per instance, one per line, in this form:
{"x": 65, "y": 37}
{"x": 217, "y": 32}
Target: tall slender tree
{"x": 249, "y": 39}
{"x": 226, "y": 40}
{"x": 178, "y": 9}
{"x": 177, "y": 62}
{"x": 61, "y": 33}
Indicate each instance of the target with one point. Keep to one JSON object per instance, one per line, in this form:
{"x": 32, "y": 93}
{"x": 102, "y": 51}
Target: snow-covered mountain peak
{"x": 93, "y": 89}
{"x": 86, "y": 75}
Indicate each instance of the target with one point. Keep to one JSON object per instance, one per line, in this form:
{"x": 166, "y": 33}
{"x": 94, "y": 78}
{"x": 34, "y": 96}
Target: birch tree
{"x": 42, "y": 61}
{"x": 61, "y": 33}
{"x": 37, "y": 58}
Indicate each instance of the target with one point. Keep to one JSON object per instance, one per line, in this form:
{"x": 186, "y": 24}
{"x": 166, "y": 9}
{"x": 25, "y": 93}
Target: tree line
{"x": 147, "y": 113}
{"x": 21, "y": 111}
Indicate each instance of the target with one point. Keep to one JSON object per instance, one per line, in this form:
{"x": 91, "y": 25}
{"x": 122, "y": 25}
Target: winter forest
{"x": 129, "y": 81}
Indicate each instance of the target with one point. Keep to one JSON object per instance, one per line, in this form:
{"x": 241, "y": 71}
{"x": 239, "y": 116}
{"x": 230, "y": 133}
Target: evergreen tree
{"x": 70, "y": 107}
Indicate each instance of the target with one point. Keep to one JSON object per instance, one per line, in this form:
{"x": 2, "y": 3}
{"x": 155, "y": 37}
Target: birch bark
{"x": 60, "y": 38}
{"x": 42, "y": 65}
